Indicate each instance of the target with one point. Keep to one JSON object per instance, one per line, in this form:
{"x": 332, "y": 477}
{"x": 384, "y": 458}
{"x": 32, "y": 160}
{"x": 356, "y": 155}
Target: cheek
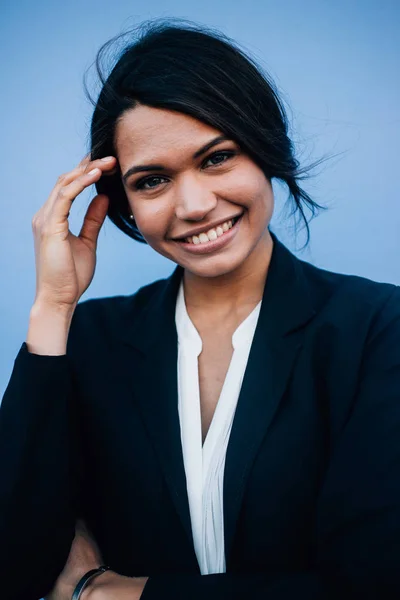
{"x": 257, "y": 197}
{"x": 267, "y": 201}
{"x": 151, "y": 218}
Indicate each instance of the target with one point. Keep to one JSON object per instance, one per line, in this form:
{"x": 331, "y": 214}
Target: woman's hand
{"x": 84, "y": 556}
{"x": 112, "y": 586}
{"x": 65, "y": 263}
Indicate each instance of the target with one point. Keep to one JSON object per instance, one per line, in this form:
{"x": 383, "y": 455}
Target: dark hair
{"x": 179, "y": 65}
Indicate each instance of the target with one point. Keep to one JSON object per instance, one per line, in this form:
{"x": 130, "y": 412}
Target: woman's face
{"x": 186, "y": 198}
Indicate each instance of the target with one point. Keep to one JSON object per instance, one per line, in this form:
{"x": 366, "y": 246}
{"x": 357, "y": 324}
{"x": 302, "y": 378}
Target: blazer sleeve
{"x": 358, "y": 512}
{"x": 38, "y": 484}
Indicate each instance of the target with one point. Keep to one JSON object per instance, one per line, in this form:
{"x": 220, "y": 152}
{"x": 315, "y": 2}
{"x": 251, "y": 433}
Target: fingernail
{"x": 93, "y": 171}
{"x": 107, "y": 158}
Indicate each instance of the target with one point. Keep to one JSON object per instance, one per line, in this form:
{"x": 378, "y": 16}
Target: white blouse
{"x": 204, "y": 464}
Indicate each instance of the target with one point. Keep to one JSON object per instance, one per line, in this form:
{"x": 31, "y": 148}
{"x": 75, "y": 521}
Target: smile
{"x": 211, "y": 234}
{"x": 213, "y": 239}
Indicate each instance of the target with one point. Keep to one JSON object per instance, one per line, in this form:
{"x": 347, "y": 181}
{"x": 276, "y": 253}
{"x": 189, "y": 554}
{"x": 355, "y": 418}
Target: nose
{"x": 193, "y": 201}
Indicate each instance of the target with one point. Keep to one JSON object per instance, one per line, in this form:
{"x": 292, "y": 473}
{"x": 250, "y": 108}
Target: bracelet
{"x": 85, "y": 580}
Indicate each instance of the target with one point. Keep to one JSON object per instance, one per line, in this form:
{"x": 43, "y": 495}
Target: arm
{"x": 38, "y": 494}
{"x": 37, "y": 513}
{"x": 84, "y": 556}
{"x": 358, "y": 516}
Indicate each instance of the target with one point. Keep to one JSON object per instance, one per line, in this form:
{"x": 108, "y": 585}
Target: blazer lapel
{"x": 154, "y": 378}
{"x": 285, "y": 308}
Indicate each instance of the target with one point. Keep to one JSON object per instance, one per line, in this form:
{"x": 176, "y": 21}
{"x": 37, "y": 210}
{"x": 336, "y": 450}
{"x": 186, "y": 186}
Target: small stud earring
{"x": 131, "y": 217}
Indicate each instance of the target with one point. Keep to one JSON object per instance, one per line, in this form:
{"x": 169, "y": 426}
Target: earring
{"x": 131, "y": 217}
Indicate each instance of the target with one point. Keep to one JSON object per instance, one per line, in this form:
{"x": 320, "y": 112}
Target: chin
{"x": 213, "y": 266}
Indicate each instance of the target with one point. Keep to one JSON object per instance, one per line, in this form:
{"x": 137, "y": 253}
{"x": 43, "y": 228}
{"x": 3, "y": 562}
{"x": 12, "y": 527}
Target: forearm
{"x": 37, "y": 486}
{"x": 84, "y": 556}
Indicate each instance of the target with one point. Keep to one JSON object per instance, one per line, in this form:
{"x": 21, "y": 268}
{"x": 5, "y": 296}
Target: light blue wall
{"x": 336, "y": 64}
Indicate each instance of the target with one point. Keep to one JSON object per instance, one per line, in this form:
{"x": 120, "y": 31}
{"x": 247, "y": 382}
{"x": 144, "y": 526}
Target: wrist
{"x": 108, "y": 584}
{"x": 104, "y": 579}
{"x": 86, "y": 586}
{"x": 48, "y": 329}
{"x": 42, "y": 307}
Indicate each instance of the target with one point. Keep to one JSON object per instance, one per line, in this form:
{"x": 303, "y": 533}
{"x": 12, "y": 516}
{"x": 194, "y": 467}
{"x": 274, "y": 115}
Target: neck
{"x": 234, "y": 290}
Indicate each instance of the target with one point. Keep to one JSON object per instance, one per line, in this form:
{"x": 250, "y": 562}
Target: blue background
{"x": 336, "y": 64}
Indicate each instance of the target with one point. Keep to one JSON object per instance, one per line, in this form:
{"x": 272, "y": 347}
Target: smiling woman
{"x": 232, "y": 431}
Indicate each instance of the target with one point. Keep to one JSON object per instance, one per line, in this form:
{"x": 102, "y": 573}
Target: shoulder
{"x": 355, "y": 333}
{"x": 351, "y": 295}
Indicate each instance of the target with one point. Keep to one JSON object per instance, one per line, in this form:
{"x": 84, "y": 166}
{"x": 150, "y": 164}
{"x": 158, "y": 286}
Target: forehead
{"x": 145, "y": 133}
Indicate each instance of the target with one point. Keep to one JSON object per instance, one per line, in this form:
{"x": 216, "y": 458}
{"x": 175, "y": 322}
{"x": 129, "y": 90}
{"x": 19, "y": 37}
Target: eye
{"x": 145, "y": 183}
{"x": 141, "y": 183}
{"x": 224, "y": 154}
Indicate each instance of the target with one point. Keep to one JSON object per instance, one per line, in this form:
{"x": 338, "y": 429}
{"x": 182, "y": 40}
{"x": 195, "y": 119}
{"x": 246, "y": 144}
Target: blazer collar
{"x": 286, "y": 304}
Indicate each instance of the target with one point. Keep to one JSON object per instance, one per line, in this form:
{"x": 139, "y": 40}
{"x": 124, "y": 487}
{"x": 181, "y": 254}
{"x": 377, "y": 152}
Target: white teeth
{"x": 212, "y": 234}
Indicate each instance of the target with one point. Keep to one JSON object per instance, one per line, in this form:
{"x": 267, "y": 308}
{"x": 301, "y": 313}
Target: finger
{"x": 112, "y": 171}
{"x": 86, "y": 159}
{"x": 94, "y": 219}
{"x": 106, "y": 164}
{"x": 60, "y": 206}
{"x": 66, "y": 178}
{"x": 64, "y": 182}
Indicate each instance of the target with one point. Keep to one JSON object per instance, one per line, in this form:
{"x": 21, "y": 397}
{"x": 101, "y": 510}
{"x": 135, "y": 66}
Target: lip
{"x": 203, "y": 230}
{"x": 214, "y": 245}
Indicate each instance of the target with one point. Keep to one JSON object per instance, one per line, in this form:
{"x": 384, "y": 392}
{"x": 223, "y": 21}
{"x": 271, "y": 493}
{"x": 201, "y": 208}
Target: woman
{"x": 232, "y": 431}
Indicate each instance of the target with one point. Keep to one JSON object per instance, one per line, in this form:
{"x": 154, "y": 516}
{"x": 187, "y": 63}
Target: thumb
{"x": 94, "y": 219}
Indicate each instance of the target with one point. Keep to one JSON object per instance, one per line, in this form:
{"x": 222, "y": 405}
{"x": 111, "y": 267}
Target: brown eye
{"x": 141, "y": 183}
{"x": 223, "y": 154}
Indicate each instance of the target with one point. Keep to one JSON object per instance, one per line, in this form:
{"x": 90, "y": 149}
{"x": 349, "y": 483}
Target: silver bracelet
{"x": 85, "y": 580}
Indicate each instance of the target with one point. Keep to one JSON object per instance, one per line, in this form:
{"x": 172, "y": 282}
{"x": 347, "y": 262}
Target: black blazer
{"x": 312, "y": 475}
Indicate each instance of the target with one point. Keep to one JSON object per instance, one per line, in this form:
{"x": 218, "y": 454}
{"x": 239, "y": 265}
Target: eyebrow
{"x": 158, "y": 167}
